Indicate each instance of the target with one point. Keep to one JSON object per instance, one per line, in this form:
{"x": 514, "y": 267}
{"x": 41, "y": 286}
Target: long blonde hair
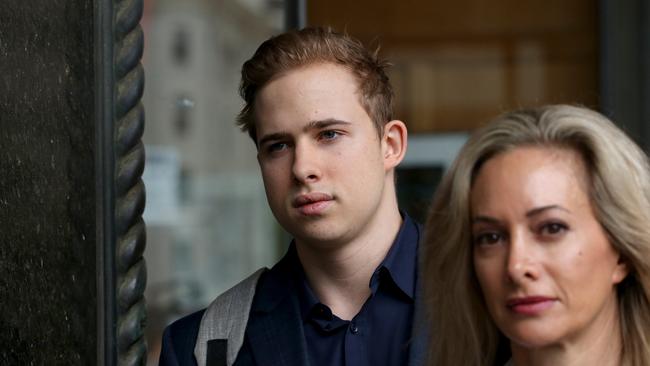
{"x": 462, "y": 331}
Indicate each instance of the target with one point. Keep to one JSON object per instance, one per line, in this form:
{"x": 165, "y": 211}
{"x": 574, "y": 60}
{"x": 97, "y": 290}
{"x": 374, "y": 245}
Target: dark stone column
{"x": 47, "y": 184}
{"x": 71, "y": 199}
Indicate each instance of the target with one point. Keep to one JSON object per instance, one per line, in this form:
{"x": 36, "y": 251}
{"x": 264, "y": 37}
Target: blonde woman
{"x": 538, "y": 242}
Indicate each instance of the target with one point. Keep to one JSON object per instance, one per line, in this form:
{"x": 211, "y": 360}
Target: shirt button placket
{"x": 355, "y": 348}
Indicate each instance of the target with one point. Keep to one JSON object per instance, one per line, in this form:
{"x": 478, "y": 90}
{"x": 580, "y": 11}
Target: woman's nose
{"x": 521, "y": 262}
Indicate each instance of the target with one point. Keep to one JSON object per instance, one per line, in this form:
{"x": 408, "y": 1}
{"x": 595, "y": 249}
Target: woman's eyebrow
{"x": 484, "y": 219}
{"x": 539, "y": 210}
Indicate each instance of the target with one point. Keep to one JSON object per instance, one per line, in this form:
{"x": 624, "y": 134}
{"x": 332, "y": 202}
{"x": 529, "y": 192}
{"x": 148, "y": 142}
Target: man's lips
{"x": 530, "y": 305}
{"x": 312, "y": 203}
{"x": 305, "y": 199}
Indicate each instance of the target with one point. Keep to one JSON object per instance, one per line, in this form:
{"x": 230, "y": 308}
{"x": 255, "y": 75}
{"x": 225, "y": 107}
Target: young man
{"x": 319, "y": 109}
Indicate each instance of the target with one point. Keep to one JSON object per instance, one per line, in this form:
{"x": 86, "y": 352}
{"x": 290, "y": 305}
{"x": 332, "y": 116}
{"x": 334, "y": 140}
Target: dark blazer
{"x": 274, "y": 334}
{"x": 179, "y": 339}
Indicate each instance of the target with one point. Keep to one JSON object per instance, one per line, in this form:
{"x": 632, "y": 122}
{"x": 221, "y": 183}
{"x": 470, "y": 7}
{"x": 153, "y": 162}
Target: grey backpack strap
{"x": 226, "y": 319}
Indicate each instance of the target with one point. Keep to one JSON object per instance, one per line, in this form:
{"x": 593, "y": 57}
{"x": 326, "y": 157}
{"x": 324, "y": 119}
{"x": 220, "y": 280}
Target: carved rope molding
{"x": 130, "y": 231}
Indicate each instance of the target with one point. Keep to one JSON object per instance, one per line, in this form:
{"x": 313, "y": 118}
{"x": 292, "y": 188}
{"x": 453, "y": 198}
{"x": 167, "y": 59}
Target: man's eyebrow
{"x": 313, "y": 125}
{"x": 324, "y": 123}
{"x": 273, "y": 137}
{"x": 539, "y": 210}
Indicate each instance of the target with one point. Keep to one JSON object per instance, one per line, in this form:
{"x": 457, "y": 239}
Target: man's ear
{"x": 393, "y": 143}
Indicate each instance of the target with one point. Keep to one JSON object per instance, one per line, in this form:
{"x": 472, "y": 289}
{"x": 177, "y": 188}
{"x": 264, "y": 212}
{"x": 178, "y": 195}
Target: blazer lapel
{"x": 275, "y": 330}
{"x": 277, "y": 338}
{"x": 419, "y": 336}
{"x": 420, "y": 330}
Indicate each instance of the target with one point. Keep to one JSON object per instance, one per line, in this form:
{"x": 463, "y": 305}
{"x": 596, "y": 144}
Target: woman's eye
{"x": 487, "y": 239}
{"x": 553, "y": 228}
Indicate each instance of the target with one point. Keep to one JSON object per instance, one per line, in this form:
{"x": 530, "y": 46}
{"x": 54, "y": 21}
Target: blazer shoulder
{"x": 179, "y": 339}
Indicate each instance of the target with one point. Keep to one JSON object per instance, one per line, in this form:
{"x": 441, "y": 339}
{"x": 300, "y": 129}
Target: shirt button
{"x": 354, "y": 329}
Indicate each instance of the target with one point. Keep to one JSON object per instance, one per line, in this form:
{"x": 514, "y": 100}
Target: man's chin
{"x": 325, "y": 237}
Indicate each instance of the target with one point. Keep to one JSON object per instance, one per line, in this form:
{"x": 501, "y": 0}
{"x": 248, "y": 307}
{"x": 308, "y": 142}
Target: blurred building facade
{"x": 208, "y": 221}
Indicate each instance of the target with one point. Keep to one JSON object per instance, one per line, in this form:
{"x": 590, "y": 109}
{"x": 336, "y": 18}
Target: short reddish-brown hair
{"x": 307, "y": 46}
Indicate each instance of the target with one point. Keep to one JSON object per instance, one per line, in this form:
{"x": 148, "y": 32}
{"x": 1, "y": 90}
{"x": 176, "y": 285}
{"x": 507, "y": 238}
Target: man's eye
{"x": 278, "y": 146}
{"x": 329, "y": 135}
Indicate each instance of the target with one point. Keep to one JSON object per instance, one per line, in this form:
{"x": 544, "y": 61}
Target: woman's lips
{"x": 313, "y": 204}
{"x": 530, "y": 305}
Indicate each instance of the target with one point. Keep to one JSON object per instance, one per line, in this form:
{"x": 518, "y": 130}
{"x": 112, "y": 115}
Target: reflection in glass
{"x": 208, "y": 221}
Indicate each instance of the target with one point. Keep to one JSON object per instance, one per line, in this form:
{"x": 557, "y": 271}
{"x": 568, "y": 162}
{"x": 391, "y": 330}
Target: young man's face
{"x": 321, "y": 157}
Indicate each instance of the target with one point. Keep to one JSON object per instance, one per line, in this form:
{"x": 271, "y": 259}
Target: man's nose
{"x": 306, "y": 163}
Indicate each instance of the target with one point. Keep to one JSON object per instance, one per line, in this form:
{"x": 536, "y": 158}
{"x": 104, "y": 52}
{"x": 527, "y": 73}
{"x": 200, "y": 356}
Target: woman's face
{"x": 544, "y": 263}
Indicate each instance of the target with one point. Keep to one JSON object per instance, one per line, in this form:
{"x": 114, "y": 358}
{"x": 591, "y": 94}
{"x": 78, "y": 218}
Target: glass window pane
{"x": 208, "y": 222}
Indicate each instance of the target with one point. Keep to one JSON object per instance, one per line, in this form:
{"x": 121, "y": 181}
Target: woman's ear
{"x": 394, "y": 143}
{"x": 621, "y": 271}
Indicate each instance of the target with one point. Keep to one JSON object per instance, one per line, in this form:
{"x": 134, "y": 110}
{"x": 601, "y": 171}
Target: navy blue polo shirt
{"x": 380, "y": 333}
